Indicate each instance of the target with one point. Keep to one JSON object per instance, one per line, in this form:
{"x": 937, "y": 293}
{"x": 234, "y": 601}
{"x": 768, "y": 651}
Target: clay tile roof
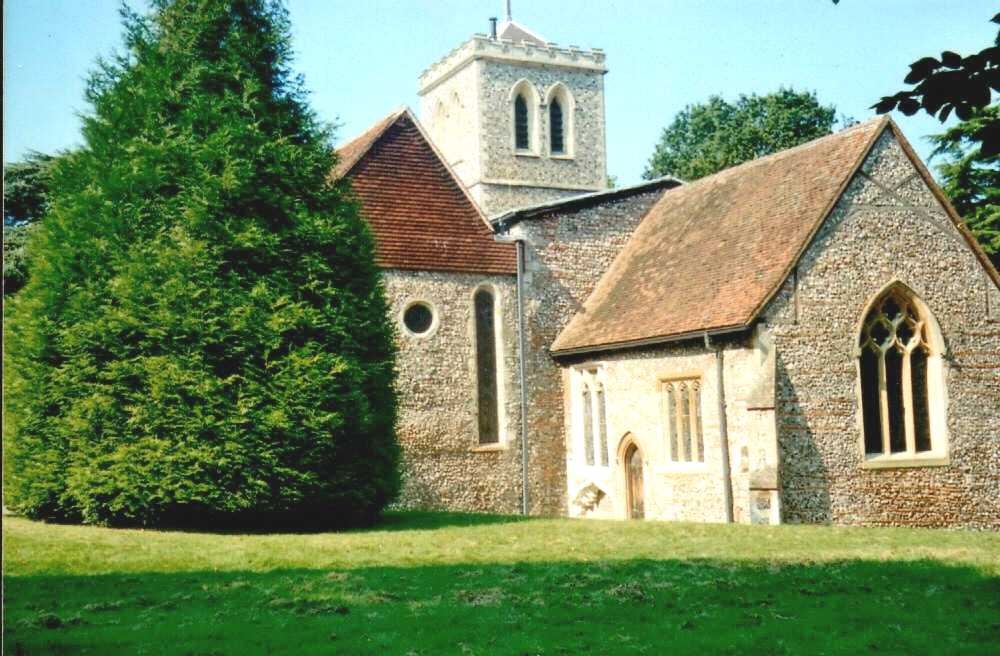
{"x": 517, "y": 33}
{"x": 420, "y": 213}
{"x": 709, "y": 255}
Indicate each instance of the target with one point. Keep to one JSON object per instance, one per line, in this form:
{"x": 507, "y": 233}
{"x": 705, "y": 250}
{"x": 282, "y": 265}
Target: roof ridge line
{"x": 781, "y": 154}
{"x": 545, "y": 206}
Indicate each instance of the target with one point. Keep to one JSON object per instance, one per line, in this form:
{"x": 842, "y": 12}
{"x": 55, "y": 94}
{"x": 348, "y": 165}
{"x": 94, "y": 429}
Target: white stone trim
{"x": 559, "y": 91}
{"x": 524, "y": 87}
{"x": 435, "y": 318}
{"x": 483, "y": 47}
{"x": 503, "y": 432}
{"x": 937, "y": 392}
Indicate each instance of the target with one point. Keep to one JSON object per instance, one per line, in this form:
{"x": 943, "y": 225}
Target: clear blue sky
{"x": 361, "y": 59}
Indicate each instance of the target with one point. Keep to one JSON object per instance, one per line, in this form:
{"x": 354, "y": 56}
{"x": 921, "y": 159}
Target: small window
{"x": 418, "y": 318}
{"x": 522, "y": 134}
{"x": 682, "y": 419}
{"x": 602, "y": 425}
{"x": 556, "y": 142}
{"x": 593, "y": 414}
{"x": 486, "y": 368}
{"x": 588, "y": 425}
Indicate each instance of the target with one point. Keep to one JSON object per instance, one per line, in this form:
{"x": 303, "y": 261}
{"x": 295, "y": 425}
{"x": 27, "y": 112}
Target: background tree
{"x": 204, "y": 333}
{"x": 25, "y": 198}
{"x": 970, "y": 174}
{"x": 964, "y": 85}
{"x": 972, "y": 179}
{"x": 710, "y": 136}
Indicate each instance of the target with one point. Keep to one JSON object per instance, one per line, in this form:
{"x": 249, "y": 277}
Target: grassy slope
{"x": 438, "y": 583}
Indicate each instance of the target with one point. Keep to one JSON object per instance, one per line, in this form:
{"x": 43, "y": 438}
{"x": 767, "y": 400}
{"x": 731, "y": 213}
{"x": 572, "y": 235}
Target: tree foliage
{"x": 954, "y": 83}
{"x": 972, "y": 179}
{"x": 710, "y": 136}
{"x": 15, "y": 257}
{"x": 204, "y": 334}
{"x": 25, "y": 199}
{"x": 26, "y": 188}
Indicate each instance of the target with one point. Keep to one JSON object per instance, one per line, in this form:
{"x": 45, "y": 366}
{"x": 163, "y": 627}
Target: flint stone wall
{"x": 888, "y": 226}
{"x": 565, "y": 255}
{"x": 444, "y": 466}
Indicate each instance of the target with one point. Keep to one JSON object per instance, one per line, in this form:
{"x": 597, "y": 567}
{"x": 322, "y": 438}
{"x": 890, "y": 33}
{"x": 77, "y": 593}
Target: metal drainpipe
{"x": 727, "y": 480}
{"x": 521, "y": 377}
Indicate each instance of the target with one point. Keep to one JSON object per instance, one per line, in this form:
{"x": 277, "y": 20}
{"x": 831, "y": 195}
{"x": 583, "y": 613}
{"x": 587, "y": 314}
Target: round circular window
{"x": 418, "y": 318}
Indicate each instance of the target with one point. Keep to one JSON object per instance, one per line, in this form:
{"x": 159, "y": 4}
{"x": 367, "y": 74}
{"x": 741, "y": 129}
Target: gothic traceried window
{"x": 894, "y": 364}
{"x": 682, "y": 420}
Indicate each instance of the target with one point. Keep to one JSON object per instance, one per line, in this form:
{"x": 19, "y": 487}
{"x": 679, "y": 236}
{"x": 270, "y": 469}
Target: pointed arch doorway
{"x": 633, "y": 482}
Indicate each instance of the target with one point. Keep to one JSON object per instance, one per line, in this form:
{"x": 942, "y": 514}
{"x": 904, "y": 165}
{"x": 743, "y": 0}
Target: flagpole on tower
{"x": 509, "y": 19}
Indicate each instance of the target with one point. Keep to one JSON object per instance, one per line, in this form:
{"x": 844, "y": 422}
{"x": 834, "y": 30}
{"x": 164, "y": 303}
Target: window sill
{"x": 905, "y": 461}
{"x": 488, "y": 448}
{"x": 562, "y": 156}
{"x": 526, "y": 153}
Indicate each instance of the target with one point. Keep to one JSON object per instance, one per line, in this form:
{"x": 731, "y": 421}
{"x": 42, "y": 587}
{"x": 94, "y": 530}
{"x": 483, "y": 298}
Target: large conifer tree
{"x": 204, "y": 334}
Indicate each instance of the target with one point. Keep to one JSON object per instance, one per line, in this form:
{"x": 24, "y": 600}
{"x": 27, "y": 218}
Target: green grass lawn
{"x": 433, "y": 583}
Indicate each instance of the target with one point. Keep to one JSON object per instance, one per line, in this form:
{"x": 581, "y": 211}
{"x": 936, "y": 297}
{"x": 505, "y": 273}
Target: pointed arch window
{"x": 593, "y": 417}
{"x": 682, "y": 419}
{"x": 557, "y": 143}
{"x": 901, "y": 383}
{"x": 522, "y": 124}
{"x": 488, "y": 392}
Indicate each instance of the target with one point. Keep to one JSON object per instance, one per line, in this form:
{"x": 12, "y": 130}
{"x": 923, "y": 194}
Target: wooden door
{"x": 633, "y": 476}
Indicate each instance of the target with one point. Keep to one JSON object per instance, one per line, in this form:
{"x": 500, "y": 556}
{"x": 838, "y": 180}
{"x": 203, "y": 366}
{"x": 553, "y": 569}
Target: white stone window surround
{"x": 435, "y": 318}
{"x": 937, "y": 392}
{"x": 560, "y": 92}
{"x": 503, "y": 435}
{"x": 526, "y": 89}
{"x": 588, "y": 382}
{"x": 671, "y": 423}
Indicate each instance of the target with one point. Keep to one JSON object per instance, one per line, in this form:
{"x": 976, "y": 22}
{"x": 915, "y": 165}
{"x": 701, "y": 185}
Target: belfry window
{"x": 898, "y": 364}
{"x": 556, "y": 141}
{"x": 682, "y": 419}
{"x": 522, "y": 132}
{"x": 486, "y": 367}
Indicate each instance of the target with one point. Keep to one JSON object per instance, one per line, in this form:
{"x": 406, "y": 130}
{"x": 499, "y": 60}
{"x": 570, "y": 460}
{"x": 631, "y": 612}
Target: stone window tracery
{"x": 682, "y": 419}
{"x": 899, "y": 367}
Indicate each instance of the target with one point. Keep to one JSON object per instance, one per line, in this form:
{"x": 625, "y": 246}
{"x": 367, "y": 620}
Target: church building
{"x": 812, "y": 336}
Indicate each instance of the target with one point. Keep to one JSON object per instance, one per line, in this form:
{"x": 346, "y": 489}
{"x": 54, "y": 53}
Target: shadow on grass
{"x": 624, "y": 607}
{"x": 411, "y": 520}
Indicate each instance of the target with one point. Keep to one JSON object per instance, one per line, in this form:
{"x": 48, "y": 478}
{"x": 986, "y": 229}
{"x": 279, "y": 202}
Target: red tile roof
{"x": 421, "y": 215}
{"x": 709, "y": 255}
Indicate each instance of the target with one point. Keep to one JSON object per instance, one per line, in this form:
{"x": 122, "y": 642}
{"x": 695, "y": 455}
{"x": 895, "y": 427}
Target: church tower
{"x": 519, "y": 119}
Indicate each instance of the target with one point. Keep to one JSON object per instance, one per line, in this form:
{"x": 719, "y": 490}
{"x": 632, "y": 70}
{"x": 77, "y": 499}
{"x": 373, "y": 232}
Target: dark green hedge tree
{"x": 204, "y": 335}
{"x": 707, "y": 137}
